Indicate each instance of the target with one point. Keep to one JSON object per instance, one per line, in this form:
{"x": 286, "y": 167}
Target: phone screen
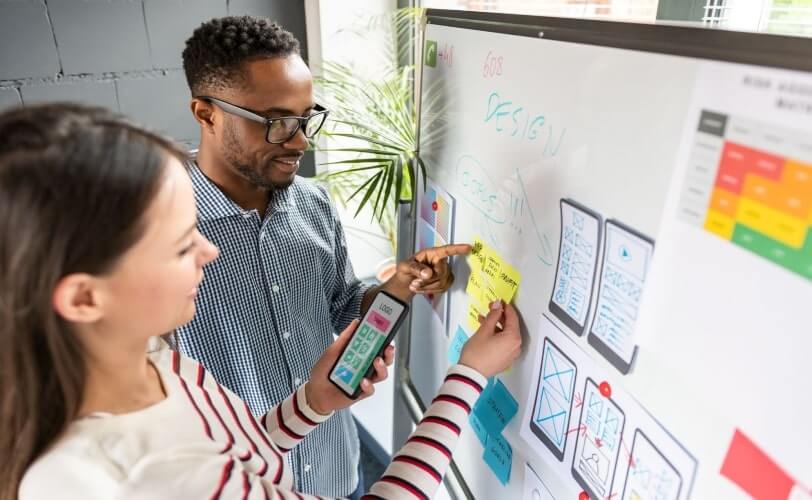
{"x": 553, "y": 404}
{"x": 626, "y": 258}
{"x": 577, "y": 264}
{"x": 371, "y": 336}
{"x": 650, "y": 474}
{"x": 598, "y": 449}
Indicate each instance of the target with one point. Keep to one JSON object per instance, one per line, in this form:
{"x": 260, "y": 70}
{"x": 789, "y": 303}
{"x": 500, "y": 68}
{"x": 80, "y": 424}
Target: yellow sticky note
{"x": 472, "y": 318}
{"x": 491, "y": 278}
{"x": 495, "y": 277}
{"x": 475, "y": 287}
{"x": 507, "y": 282}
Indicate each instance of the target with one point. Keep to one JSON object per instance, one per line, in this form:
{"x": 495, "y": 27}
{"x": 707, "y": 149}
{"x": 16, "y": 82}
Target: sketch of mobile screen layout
{"x": 598, "y": 445}
{"x": 650, "y": 475}
{"x": 577, "y": 262}
{"x": 553, "y": 404}
{"x": 627, "y": 255}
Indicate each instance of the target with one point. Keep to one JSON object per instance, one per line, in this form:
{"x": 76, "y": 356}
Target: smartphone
{"x": 650, "y": 474}
{"x": 554, "y": 396}
{"x": 627, "y": 255}
{"x": 577, "y": 265}
{"x": 374, "y": 333}
{"x": 597, "y": 448}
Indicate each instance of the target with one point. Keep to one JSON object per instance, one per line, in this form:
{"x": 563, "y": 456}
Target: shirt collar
{"x": 212, "y": 203}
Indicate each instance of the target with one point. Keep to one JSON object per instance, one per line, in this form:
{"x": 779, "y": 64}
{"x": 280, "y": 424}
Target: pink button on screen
{"x": 378, "y": 321}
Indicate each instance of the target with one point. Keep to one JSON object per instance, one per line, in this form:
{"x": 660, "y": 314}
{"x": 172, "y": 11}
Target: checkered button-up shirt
{"x": 269, "y": 306}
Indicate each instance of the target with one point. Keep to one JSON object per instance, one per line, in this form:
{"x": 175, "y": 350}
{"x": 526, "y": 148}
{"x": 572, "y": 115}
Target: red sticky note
{"x": 753, "y": 471}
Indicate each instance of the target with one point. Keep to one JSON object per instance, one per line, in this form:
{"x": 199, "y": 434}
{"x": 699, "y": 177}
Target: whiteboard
{"x": 656, "y": 198}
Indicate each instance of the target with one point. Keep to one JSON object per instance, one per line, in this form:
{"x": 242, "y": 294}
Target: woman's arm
{"x": 418, "y": 467}
{"x": 291, "y": 420}
{"x": 415, "y": 471}
{"x": 192, "y": 470}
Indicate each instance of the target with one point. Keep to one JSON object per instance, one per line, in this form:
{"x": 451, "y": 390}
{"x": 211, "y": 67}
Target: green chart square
{"x": 431, "y": 53}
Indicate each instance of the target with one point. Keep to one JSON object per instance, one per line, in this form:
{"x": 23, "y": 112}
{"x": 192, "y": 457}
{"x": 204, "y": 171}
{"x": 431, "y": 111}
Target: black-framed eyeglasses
{"x": 278, "y": 130}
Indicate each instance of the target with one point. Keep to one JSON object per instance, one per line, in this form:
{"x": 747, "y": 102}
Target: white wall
{"x": 329, "y": 39}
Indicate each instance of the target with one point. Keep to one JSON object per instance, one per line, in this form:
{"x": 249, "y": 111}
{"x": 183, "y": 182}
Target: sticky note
{"x": 455, "y": 349}
{"x": 488, "y": 387}
{"x": 499, "y": 457}
{"x": 491, "y": 278}
{"x": 496, "y": 407}
{"x": 472, "y": 317}
{"x": 475, "y": 285}
{"x": 479, "y": 430}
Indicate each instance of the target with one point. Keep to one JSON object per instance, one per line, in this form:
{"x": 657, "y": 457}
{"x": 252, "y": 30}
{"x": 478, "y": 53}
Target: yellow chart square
{"x": 720, "y": 224}
{"x": 784, "y": 228}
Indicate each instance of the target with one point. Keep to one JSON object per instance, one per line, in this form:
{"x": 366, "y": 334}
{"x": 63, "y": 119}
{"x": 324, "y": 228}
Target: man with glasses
{"x": 278, "y": 130}
{"x": 283, "y": 285}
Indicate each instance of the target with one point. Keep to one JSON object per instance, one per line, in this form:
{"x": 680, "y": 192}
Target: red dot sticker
{"x": 434, "y": 206}
{"x": 606, "y": 389}
{"x": 583, "y": 495}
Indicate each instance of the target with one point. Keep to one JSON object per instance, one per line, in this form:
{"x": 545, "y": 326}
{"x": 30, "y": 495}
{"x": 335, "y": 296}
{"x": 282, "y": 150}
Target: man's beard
{"x": 252, "y": 175}
{"x": 234, "y": 156}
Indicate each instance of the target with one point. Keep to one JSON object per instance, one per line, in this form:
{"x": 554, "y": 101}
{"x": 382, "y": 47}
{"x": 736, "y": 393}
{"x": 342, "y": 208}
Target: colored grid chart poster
{"x": 435, "y": 227}
{"x": 725, "y": 314}
{"x": 745, "y": 186}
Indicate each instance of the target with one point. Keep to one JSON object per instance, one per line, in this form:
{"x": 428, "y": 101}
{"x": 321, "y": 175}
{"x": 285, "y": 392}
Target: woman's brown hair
{"x": 74, "y": 184}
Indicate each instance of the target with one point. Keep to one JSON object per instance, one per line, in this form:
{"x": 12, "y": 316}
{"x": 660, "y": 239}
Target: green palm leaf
{"x": 372, "y": 126}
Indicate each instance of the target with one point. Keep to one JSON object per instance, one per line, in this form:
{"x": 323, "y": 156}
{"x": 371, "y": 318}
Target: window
{"x": 627, "y": 10}
{"x": 792, "y": 17}
{"x": 773, "y": 16}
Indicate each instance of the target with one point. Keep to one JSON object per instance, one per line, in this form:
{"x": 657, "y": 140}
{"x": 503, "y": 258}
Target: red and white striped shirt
{"x": 201, "y": 441}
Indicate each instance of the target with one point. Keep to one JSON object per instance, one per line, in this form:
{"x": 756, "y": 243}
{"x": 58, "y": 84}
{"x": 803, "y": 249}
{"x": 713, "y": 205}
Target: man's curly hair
{"x": 216, "y": 51}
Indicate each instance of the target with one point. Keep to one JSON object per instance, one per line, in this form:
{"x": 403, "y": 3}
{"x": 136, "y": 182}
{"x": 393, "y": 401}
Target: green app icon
{"x": 431, "y": 53}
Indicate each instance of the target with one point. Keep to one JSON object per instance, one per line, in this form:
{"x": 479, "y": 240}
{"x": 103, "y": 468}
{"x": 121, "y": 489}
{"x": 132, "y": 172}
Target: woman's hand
{"x": 324, "y": 397}
{"x": 492, "y": 350}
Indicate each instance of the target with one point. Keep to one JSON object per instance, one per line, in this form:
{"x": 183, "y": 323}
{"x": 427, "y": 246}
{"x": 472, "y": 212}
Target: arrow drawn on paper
{"x": 581, "y": 429}
{"x": 628, "y": 453}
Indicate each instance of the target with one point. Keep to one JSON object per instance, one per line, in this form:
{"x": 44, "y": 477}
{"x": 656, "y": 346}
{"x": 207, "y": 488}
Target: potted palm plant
{"x": 372, "y": 133}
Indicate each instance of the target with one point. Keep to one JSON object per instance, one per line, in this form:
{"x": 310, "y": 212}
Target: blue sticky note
{"x": 496, "y": 407}
{"x": 487, "y": 390}
{"x": 499, "y": 457}
{"x": 455, "y": 349}
{"x": 479, "y": 429}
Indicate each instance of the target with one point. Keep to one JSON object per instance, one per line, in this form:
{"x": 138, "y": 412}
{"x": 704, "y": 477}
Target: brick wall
{"x": 121, "y": 54}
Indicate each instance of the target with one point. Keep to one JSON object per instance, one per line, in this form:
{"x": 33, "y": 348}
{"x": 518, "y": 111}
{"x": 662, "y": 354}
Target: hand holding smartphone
{"x": 375, "y": 332}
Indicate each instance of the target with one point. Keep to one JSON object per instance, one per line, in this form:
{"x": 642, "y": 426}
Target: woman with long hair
{"x": 99, "y": 257}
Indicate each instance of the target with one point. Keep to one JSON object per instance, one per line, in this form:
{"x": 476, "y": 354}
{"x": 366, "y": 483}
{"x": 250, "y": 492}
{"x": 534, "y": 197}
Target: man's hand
{"x": 426, "y": 272}
{"x": 322, "y": 396}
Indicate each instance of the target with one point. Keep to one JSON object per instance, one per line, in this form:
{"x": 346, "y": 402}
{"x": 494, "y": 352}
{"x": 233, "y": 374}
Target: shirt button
{"x": 297, "y": 382}
{"x": 307, "y": 468}
{"x": 246, "y": 215}
{"x": 286, "y": 335}
{"x": 275, "y": 288}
